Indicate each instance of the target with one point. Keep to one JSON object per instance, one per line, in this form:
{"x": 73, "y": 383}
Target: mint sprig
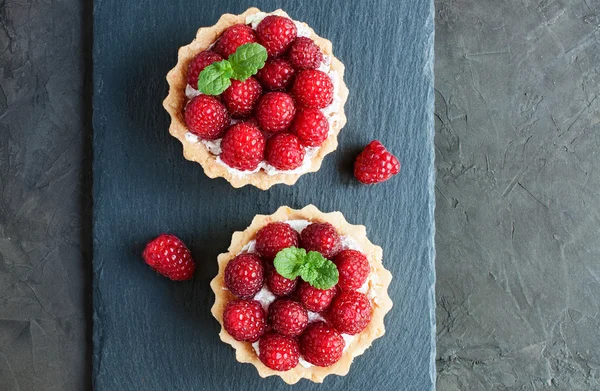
{"x": 312, "y": 267}
{"x": 245, "y": 62}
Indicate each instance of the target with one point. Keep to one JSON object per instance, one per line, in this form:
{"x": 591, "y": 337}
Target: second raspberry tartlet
{"x": 298, "y": 314}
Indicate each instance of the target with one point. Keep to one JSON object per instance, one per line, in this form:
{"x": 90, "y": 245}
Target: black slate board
{"x": 153, "y": 334}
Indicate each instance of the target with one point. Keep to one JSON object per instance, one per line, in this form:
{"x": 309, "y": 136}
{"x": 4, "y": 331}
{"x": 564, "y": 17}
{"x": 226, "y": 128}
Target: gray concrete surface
{"x": 518, "y": 194}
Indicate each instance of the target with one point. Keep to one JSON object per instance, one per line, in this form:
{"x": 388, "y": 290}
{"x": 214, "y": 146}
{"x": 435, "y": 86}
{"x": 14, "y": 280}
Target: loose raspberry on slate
{"x": 244, "y": 320}
{"x": 279, "y": 285}
{"x": 234, "y": 37}
{"x": 169, "y": 257}
{"x": 285, "y": 152}
{"x": 277, "y": 74}
{"x": 311, "y": 127}
{"x": 375, "y": 164}
{"x": 198, "y": 63}
{"x": 288, "y": 317}
{"x": 313, "y": 88}
{"x": 321, "y": 345}
{"x": 276, "y": 34}
{"x": 244, "y": 275}
{"x": 274, "y": 237}
{"x": 243, "y": 146}
{"x": 278, "y": 352}
{"x": 313, "y": 299}
{"x": 354, "y": 269}
{"x": 206, "y": 117}
{"x": 350, "y": 312}
{"x": 241, "y": 97}
{"x": 305, "y": 54}
{"x": 321, "y": 237}
{"x": 275, "y": 111}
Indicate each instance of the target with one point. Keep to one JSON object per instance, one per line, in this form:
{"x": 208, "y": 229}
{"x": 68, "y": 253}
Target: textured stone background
{"x": 518, "y": 194}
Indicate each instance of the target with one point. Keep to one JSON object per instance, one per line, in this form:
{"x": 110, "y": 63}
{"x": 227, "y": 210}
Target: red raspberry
{"x": 321, "y": 345}
{"x": 350, "y": 312}
{"x": 169, "y": 257}
{"x": 313, "y": 299}
{"x": 305, "y": 54}
{"x": 278, "y": 352}
{"x": 241, "y": 96}
{"x": 274, "y": 237}
{"x": 244, "y": 320}
{"x": 234, "y": 37}
{"x": 275, "y": 111}
{"x": 354, "y": 269}
{"x": 311, "y": 127}
{"x": 206, "y": 117}
{"x": 198, "y": 63}
{"x": 244, "y": 275}
{"x": 321, "y": 237}
{"x": 243, "y": 146}
{"x": 276, "y": 34}
{"x": 277, "y": 74}
{"x": 375, "y": 164}
{"x": 313, "y": 88}
{"x": 279, "y": 285}
{"x": 284, "y": 151}
{"x": 288, "y": 317}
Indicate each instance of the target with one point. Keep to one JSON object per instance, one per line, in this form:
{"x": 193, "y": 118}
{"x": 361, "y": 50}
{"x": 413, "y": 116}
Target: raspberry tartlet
{"x": 273, "y": 123}
{"x": 301, "y": 315}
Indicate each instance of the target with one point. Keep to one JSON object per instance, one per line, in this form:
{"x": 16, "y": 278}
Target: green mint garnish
{"x": 245, "y": 62}
{"x": 215, "y": 78}
{"x": 312, "y": 267}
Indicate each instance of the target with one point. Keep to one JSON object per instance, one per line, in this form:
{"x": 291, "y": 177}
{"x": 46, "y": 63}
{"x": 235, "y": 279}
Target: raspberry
{"x": 244, "y": 320}
{"x": 198, "y": 63}
{"x": 244, "y": 275}
{"x": 321, "y": 345}
{"x": 354, "y": 269}
{"x": 313, "y": 299}
{"x": 288, "y": 317}
{"x": 305, "y": 54}
{"x": 279, "y": 285}
{"x": 206, "y": 117}
{"x": 241, "y": 96}
{"x": 350, "y": 312}
{"x": 284, "y": 151}
{"x": 311, "y": 127}
{"x": 276, "y": 34}
{"x": 375, "y": 164}
{"x": 234, "y": 37}
{"x": 169, "y": 257}
{"x": 321, "y": 237}
{"x": 313, "y": 88}
{"x": 278, "y": 352}
{"x": 277, "y": 74}
{"x": 274, "y": 237}
{"x": 275, "y": 111}
{"x": 243, "y": 146}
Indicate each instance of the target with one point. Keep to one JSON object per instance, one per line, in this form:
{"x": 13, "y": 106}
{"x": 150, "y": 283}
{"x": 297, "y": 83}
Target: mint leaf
{"x": 215, "y": 78}
{"x": 247, "y": 60}
{"x": 319, "y": 271}
{"x": 289, "y": 261}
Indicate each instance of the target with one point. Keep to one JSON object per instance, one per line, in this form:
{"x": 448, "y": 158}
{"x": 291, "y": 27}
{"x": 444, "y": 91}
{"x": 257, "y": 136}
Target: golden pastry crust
{"x": 175, "y": 102}
{"x": 382, "y": 303}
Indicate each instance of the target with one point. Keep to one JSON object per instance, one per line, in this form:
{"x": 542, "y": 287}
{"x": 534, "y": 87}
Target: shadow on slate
{"x": 154, "y": 334}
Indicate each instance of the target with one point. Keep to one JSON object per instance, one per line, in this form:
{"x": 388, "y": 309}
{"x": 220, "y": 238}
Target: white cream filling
{"x": 331, "y": 112}
{"x": 265, "y": 297}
